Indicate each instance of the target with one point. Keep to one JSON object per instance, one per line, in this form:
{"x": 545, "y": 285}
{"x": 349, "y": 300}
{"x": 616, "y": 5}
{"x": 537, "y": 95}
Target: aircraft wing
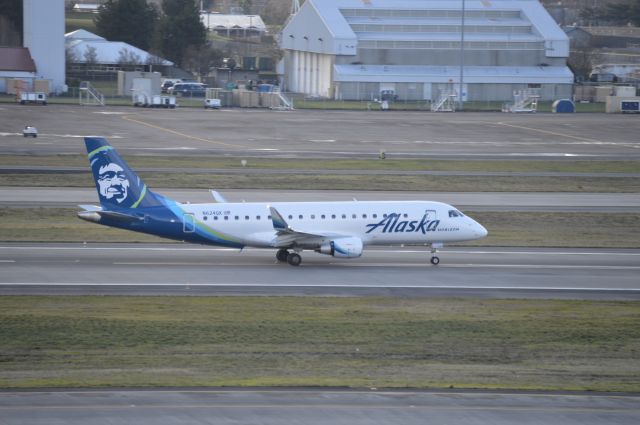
{"x": 287, "y": 236}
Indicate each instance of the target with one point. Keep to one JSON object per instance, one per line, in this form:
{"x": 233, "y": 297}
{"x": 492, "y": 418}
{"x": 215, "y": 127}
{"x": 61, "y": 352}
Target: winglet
{"x": 218, "y": 197}
{"x": 278, "y": 221}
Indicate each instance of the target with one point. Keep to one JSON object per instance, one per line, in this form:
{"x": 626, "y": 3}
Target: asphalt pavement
{"x": 170, "y": 269}
{"x": 313, "y": 407}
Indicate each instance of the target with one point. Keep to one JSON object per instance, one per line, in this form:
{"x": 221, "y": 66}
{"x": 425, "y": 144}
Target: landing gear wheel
{"x": 435, "y": 260}
{"x": 282, "y": 255}
{"x": 294, "y": 259}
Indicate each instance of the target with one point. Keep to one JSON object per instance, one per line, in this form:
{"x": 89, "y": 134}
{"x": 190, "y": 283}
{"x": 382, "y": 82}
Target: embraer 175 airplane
{"x": 339, "y": 229}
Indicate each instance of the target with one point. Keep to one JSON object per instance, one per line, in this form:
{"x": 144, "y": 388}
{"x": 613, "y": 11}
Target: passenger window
{"x": 257, "y": 217}
{"x": 226, "y": 217}
{"x": 313, "y": 217}
{"x": 300, "y": 216}
{"x": 375, "y": 216}
{"x": 344, "y": 216}
{"x": 333, "y": 216}
{"x": 246, "y": 217}
{"x": 364, "y": 216}
{"x": 405, "y": 215}
{"x": 204, "y": 218}
{"x": 384, "y": 215}
{"x": 237, "y": 218}
{"x": 268, "y": 217}
{"x": 215, "y": 217}
{"x": 290, "y": 217}
{"x": 322, "y": 216}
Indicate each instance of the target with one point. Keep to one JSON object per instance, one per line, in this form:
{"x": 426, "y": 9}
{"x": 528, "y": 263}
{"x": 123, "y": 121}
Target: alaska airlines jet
{"x": 339, "y": 229}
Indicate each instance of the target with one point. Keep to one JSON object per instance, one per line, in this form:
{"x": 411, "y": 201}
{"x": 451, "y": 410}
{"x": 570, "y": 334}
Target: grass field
{"x": 534, "y": 229}
{"x": 351, "y": 342}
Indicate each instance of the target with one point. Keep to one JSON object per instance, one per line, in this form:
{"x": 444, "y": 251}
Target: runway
{"x": 311, "y": 407}
{"x": 485, "y": 201}
{"x": 176, "y": 269}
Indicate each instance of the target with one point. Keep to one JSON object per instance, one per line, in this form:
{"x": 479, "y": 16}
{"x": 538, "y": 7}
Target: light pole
{"x": 460, "y": 101}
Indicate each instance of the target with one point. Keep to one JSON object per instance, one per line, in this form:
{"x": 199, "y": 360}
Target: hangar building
{"x": 354, "y": 49}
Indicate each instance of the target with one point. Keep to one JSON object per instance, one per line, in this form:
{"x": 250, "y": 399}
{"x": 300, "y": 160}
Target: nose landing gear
{"x": 435, "y": 260}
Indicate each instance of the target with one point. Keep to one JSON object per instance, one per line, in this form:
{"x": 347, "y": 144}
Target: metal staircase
{"x": 89, "y": 95}
{"x": 524, "y": 101}
{"x": 446, "y": 102}
{"x": 287, "y": 104}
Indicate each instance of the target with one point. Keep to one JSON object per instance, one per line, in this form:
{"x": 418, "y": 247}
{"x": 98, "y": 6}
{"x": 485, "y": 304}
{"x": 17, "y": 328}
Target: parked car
{"x": 168, "y": 83}
{"x": 188, "y": 89}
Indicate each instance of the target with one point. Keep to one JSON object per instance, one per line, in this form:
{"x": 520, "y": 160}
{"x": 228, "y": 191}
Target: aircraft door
{"x": 430, "y": 214}
{"x": 188, "y": 223}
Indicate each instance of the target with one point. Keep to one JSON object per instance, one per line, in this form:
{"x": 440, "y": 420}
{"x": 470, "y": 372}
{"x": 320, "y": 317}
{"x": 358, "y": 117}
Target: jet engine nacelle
{"x": 342, "y": 248}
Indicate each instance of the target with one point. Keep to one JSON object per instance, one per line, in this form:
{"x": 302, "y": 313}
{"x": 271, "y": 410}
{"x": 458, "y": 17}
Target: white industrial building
{"x": 108, "y": 54}
{"x": 234, "y": 25}
{"x": 44, "y": 37}
{"x": 354, "y": 49}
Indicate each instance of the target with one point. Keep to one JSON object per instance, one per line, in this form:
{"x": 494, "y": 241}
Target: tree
{"x": 90, "y": 55}
{"x": 619, "y": 13}
{"x": 276, "y": 12}
{"x": 180, "y": 27}
{"x": 12, "y": 10}
{"x": 246, "y": 6}
{"x": 582, "y": 60}
{"x": 202, "y": 60}
{"x": 127, "y": 57}
{"x": 131, "y": 21}
{"x": 70, "y": 57}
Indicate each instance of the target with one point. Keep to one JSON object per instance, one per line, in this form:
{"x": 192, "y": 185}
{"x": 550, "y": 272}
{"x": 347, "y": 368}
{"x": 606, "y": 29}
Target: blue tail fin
{"x": 118, "y": 186}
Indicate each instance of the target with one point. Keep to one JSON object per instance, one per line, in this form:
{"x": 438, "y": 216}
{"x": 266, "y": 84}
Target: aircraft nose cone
{"x": 481, "y": 231}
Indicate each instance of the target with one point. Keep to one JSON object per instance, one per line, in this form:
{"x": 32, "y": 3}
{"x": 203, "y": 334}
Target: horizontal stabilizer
{"x": 218, "y": 197}
{"x": 90, "y": 207}
{"x": 96, "y": 215}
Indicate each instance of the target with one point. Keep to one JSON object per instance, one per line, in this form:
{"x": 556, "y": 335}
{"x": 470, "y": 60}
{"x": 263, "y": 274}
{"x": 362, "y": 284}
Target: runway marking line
{"x": 553, "y": 133}
{"x": 266, "y": 250}
{"x": 178, "y": 133}
{"x": 397, "y": 265}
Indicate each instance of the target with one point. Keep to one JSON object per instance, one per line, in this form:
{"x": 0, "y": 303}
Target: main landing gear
{"x": 292, "y": 258}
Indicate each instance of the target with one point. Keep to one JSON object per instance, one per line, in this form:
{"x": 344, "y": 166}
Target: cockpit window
{"x": 455, "y": 213}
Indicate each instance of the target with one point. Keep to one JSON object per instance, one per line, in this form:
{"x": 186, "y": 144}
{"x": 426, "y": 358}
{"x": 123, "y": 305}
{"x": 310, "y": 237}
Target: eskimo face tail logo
{"x": 113, "y": 183}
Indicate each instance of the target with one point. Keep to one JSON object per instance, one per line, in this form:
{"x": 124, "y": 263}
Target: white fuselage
{"x": 374, "y": 222}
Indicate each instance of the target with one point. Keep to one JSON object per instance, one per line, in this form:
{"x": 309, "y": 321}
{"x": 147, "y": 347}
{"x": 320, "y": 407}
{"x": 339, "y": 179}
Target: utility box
{"x": 625, "y": 91}
{"x": 161, "y": 101}
{"x": 630, "y": 106}
{"x": 33, "y": 97}
{"x": 212, "y": 103}
{"x": 616, "y": 104}
{"x": 602, "y": 92}
{"x": 130, "y": 81}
